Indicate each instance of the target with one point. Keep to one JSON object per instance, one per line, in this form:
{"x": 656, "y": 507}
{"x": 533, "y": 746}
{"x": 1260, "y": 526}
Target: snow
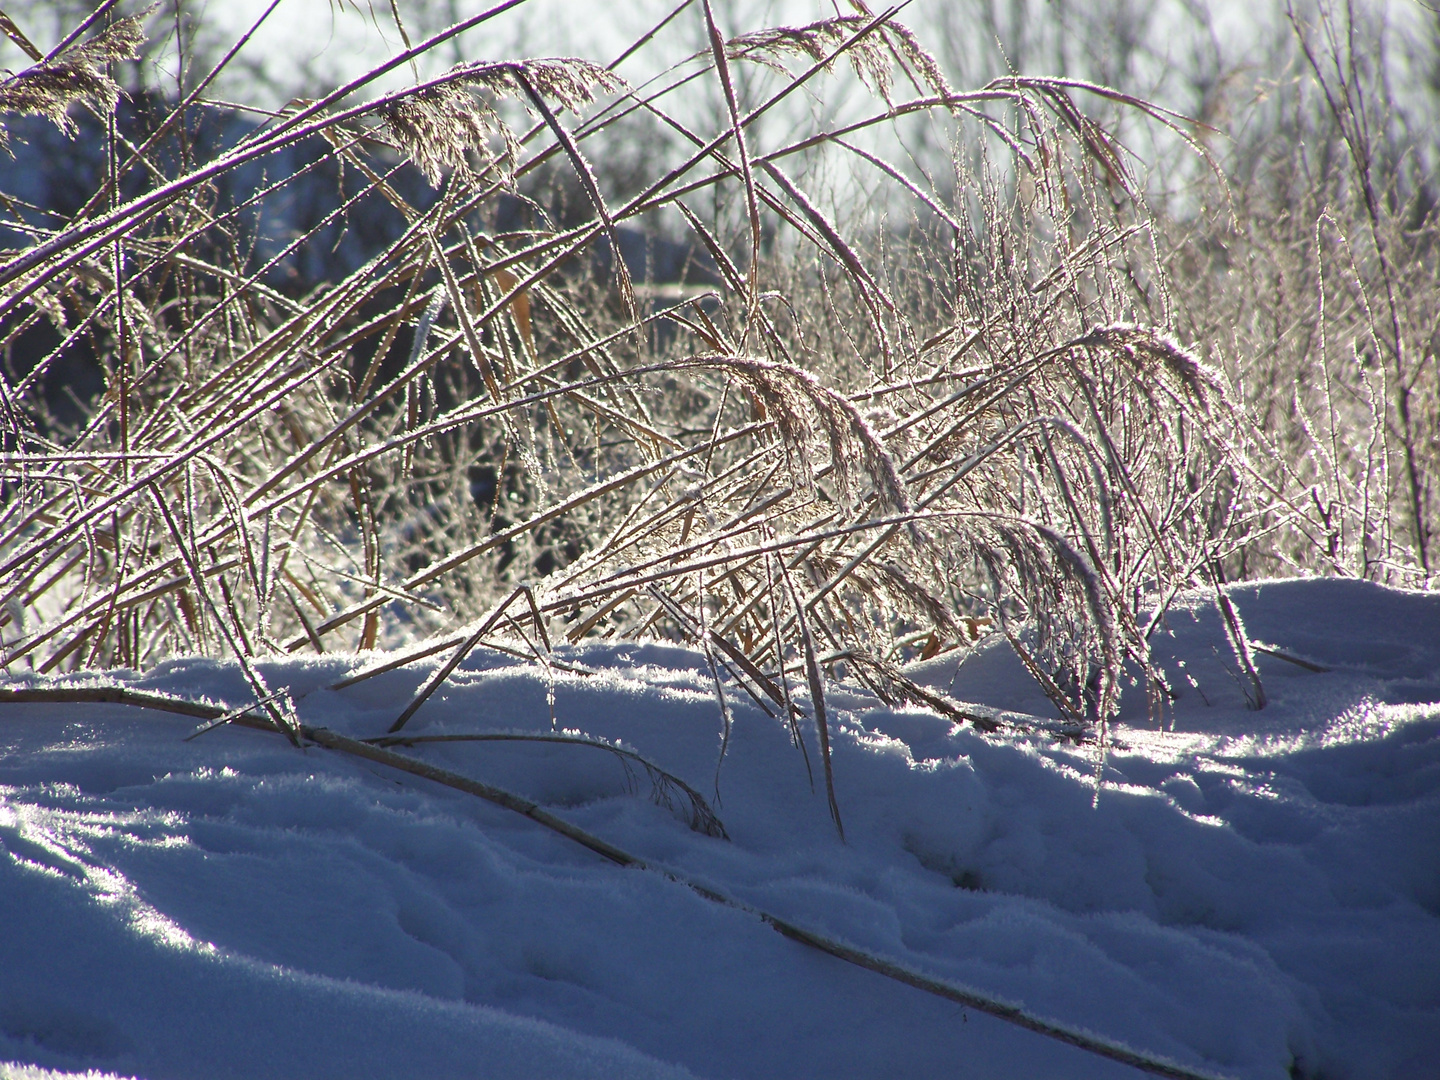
{"x": 1252, "y": 894}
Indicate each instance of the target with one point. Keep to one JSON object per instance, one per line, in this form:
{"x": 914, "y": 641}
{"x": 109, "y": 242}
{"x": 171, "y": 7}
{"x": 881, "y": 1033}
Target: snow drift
{"x": 1253, "y": 894}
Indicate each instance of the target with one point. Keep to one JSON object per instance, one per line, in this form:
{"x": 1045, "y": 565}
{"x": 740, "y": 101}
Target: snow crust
{"x": 1252, "y": 894}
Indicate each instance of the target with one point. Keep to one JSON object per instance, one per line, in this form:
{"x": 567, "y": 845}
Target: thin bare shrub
{"x": 1314, "y": 283}
{"x": 870, "y": 439}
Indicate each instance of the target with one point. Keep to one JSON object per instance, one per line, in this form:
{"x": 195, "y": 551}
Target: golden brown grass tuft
{"x": 864, "y": 443}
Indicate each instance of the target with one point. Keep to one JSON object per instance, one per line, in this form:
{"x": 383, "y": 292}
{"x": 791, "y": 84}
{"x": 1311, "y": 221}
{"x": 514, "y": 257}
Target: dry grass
{"x": 1318, "y": 291}
{"x": 862, "y": 445}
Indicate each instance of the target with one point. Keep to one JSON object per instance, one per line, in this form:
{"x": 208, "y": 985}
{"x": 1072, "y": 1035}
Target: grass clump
{"x": 868, "y": 427}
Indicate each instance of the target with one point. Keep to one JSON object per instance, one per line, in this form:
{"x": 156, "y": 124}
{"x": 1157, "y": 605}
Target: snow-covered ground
{"x": 1253, "y": 894}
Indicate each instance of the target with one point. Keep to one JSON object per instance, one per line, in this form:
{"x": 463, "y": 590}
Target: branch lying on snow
{"x": 700, "y": 817}
{"x": 1012, "y": 1014}
{"x": 894, "y": 687}
{"x": 1289, "y": 658}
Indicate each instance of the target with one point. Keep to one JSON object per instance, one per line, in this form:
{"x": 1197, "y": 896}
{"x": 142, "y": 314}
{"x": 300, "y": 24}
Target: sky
{"x": 341, "y": 39}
